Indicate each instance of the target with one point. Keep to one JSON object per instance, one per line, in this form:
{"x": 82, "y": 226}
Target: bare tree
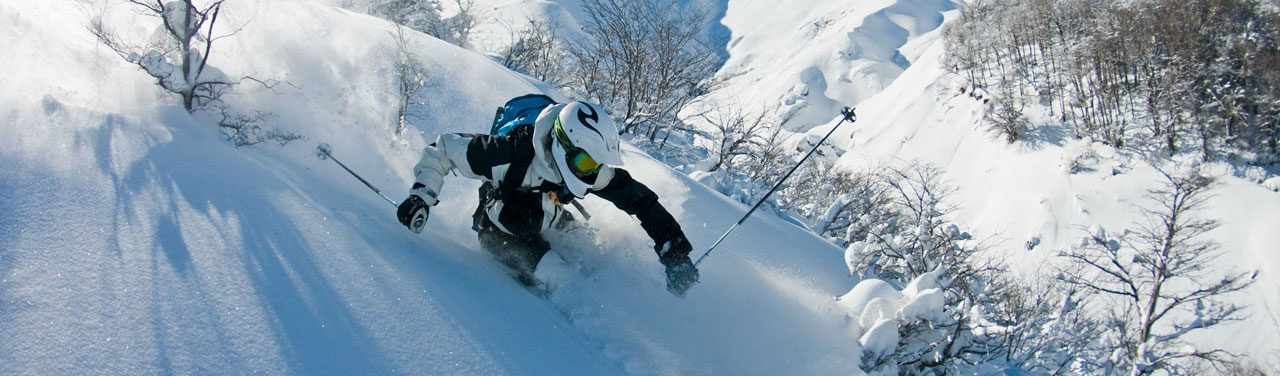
{"x": 736, "y": 130}
{"x": 536, "y": 51}
{"x": 179, "y": 61}
{"x": 464, "y": 22}
{"x": 1161, "y": 279}
{"x": 411, "y": 77}
{"x": 1006, "y": 117}
{"x": 644, "y": 62}
{"x": 425, "y": 16}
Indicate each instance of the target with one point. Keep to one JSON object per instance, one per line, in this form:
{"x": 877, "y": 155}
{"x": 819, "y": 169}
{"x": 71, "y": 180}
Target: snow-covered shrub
{"x": 937, "y": 324}
{"x": 1158, "y": 282}
{"x": 1082, "y": 160}
{"x": 916, "y": 248}
{"x": 424, "y": 16}
{"x": 861, "y": 201}
{"x": 1039, "y": 325}
{"x": 913, "y": 237}
{"x": 734, "y": 132}
{"x": 1272, "y": 183}
{"x": 949, "y": 308}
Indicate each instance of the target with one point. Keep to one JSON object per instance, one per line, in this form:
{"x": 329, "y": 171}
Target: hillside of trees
{"x": 1165, "y": 76}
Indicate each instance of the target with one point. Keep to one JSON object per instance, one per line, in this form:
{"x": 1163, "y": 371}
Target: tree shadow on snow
{"x": 309, "y": 319}
{"x": 1038, "y": 137}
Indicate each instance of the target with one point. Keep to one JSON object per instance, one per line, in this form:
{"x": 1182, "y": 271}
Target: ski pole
{"x": 849, "y": 116}
{"x": 323, "y": 152}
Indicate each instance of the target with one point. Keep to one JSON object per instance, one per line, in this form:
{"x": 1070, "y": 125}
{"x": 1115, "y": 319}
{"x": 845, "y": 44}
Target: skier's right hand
{"x": 413, "y": 213}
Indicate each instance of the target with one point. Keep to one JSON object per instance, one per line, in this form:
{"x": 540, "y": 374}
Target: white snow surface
{"x": 135, "y": 240}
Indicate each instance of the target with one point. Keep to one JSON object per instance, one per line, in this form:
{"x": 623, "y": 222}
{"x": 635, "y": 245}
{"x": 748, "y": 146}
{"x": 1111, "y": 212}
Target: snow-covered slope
{"x": 133, "y": 239}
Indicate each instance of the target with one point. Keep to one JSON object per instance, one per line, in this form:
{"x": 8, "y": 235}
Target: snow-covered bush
{"x": 949, "y": 308}
{"x": 734, "y": 132}
{"x": 420, "y": 15}
{"x": 931, "y": 260}
{"x": 850, "y": 205}
{"x": 913, "y": 237}
{"x": 1038, "y": 324}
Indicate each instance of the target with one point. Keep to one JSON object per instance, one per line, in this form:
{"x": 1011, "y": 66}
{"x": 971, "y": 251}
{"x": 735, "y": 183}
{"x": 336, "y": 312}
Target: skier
{"x": 569, "y": 151}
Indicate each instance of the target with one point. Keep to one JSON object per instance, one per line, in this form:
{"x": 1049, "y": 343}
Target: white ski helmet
{"x": 584, "y": 138}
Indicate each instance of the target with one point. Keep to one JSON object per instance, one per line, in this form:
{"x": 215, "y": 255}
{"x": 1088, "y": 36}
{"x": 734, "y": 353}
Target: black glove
{"x": 674, "y": 254}
{"x": 410, "y": 209}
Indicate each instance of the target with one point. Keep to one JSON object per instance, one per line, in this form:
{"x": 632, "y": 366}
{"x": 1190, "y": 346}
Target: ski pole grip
{"x": 419, "y": 221}
{"x": 848, "y": 113}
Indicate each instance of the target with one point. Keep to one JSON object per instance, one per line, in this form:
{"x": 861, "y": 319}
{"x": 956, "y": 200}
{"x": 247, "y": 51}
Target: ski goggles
{"x": 578, "y": 159}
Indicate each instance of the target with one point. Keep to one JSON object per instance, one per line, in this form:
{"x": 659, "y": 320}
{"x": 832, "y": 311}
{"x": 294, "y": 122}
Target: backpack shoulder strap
{"x": 522, "y": 139}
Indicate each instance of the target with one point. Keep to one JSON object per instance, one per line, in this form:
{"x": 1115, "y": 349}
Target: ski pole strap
{"x": 581, "y": 210}
{"x": 847, "y": 115}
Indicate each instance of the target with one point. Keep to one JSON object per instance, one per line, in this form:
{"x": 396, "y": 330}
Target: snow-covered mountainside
{"x": 811, "y": 59}
{"x": 135, "y": 240}
{"x": 1027, "y": 199}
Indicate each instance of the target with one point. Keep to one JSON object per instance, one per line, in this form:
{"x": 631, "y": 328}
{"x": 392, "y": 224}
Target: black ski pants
{"x": 520, "y": 253}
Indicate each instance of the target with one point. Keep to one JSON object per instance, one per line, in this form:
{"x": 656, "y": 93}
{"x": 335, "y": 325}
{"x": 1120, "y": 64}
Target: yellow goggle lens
{"x": 584, "y": 163}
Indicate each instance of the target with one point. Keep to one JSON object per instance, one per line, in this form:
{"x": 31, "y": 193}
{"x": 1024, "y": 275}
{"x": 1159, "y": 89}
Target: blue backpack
{"x": 519, "y": 111}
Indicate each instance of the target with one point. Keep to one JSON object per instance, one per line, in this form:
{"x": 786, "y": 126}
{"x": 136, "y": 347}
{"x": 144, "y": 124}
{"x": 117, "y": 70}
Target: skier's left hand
{"x": 681, "y": 274}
